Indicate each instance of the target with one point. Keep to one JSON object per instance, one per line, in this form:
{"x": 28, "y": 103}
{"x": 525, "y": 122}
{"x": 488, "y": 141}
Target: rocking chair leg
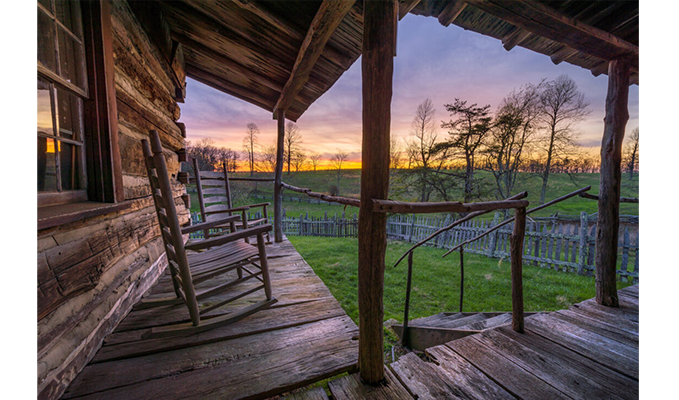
{"x": 240, "y": 272}
{"x": 264, "y": 265}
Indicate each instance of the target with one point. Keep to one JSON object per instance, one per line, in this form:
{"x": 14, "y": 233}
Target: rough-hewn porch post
{"x": 379, "y": 39}
{"x": 609, "y": 185}
{"x": 277, "y": 190}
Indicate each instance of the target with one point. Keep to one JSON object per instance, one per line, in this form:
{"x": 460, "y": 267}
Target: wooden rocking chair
{"x": 214, "y": 198}
{"x": 198, "y": 261}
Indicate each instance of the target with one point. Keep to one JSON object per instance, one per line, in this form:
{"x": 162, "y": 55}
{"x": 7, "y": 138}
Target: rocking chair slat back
{"x": 169, "y": 223}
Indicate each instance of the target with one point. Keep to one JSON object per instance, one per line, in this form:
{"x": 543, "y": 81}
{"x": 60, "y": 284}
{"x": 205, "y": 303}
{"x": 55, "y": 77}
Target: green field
{"x": 559, "y": 184}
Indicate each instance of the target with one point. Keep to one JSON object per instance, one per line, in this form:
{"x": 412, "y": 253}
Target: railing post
{"x": 380, "y": 19}
{"x": 583, "y": 243}
{"x": 278, "y": 179}
{"x": 517, "y": 269}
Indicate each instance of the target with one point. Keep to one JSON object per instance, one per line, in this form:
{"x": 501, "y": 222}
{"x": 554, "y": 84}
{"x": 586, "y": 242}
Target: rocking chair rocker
{"x": 198, "y": 261}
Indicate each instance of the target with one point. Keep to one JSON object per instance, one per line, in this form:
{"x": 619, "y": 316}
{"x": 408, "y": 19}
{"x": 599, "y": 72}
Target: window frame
{"x": 102, "y": 164}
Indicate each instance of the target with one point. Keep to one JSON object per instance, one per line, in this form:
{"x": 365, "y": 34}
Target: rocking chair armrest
{"x": 235, "y": 209}
{"x": 223, "y": 239}
{"x": 210, "y": 224}
{"x": 259, "y": 205}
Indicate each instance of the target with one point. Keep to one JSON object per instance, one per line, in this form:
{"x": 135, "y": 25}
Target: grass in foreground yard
{"x": 436, "y": 280}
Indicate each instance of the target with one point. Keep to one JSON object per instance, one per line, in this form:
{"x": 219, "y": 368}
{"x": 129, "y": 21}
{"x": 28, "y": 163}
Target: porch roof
{"x": 287, "y": 54}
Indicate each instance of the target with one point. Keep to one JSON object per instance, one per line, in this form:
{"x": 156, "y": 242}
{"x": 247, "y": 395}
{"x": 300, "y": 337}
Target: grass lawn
{"x": 436, "y": 280}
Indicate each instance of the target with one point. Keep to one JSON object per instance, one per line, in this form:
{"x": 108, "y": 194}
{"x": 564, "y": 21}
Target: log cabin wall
{"x": 91, "y": 272}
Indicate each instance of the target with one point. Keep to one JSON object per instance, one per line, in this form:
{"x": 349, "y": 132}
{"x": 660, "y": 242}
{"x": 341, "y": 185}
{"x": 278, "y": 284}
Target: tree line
{"x": 533, "y": 130}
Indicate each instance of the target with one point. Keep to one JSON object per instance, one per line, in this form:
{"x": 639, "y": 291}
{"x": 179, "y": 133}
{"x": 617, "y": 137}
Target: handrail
{"x": 466, "y": 218}
{"x": 334, "y": 199}
{"x": 401, "y": 207}
{"x": 622, "y": 199}
{"x": 498, "y": 226}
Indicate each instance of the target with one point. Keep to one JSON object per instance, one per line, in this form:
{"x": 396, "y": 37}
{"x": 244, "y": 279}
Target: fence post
{"x": 493, "y": 236}
{"x": 300, "y": 224}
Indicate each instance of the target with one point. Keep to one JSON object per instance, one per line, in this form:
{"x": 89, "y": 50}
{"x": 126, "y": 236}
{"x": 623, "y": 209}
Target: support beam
{"x": 379, "y": 40}
{"x": 609, "y": 186}
{"x": 278, "y": 179}
{"x": 563, "y": 54}
{"x": 327, "y": 19}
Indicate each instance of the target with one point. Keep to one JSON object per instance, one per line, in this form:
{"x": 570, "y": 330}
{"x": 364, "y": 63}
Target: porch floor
{"x": 586, "y": 352}
{"x": 303, "y": 338}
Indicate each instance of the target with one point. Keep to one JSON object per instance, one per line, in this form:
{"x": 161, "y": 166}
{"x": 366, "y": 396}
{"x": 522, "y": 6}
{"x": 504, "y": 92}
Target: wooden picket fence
{"x": 549, "y": 242}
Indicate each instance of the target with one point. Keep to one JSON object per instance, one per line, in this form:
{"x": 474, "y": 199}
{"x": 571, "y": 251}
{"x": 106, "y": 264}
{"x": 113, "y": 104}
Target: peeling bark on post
{"x": 277, "y": 189}
{"x": 609, "y": 186}
{"x": 379, "y": 39}
{"x": 517, "y": 269}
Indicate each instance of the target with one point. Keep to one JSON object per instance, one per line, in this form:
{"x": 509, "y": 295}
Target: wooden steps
{"x": 587, "y": 351}
{"x": 443, "y": 327}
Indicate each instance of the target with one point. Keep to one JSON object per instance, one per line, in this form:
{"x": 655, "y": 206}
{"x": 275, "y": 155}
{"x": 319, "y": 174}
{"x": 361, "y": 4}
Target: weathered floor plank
{"x": 351, "y": 388}
{"x": 316, "y": 393}
{"x": 588, "y": 351}
{"x": 304, "y": 338}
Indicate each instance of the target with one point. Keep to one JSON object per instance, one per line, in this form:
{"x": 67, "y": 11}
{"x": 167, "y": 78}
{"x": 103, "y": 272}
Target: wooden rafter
{"x": 451, "y": 11}
{"x": 327, "y": 19}
{"x": 405, "y": 6}
{"x": 542, "y": 20}
{"x": 226, "y": 62}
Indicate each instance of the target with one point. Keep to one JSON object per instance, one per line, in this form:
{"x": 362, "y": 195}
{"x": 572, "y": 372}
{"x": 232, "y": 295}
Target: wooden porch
{"x": 303, "y": 338}
{"x": 587, "y": 351}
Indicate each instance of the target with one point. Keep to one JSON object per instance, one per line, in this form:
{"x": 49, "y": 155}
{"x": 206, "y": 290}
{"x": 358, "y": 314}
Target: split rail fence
{"x": 548, "y": 243}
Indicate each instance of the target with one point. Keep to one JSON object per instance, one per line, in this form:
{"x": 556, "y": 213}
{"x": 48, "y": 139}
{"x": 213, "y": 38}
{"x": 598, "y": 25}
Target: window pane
{"x": 71, "y": 59}
{"x": 44, "y": 109}
{"x": 69, "y": 158}
{"x": 47, "y": 171}
{"x": 68, "y": 13}
{"x": 46, "y": 52}
{"x": 69, "y": 115}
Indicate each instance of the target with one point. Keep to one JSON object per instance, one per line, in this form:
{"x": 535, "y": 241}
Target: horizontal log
{"x": 253, "y": 179}
{"x": 622, "y": 199}
{"x": 334, "y": 199}
{"x": 399, "y": 207}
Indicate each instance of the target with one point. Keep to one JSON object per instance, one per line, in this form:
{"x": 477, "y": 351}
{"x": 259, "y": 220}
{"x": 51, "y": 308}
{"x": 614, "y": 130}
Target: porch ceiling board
{"x": 586, "y": 34}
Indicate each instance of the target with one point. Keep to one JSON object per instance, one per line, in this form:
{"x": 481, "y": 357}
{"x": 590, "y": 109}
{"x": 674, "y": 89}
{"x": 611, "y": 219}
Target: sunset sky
{"x": 433, "y": 62}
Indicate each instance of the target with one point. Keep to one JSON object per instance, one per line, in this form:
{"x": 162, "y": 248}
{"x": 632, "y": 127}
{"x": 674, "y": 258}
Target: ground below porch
{"x": 303, "y": 338}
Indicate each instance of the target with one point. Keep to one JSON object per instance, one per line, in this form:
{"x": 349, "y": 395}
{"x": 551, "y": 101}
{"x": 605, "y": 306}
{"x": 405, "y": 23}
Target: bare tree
{"x": 315, "y": 159}
{"x": 425, "y": 155}
{"x": 510, "y": 138}
{"x": 467, "y": 134}
{"x": 338, "y": 159}
{"x": 631, "y": 159}
{"x": 250, "y": 142}
{"x": 395, "y": 154}
{"x": 229, "y": 157}
{"x": 291, "y": 144}
{"x": 204, "y": 152}
{"x": 267, "y": 157}
{"x": 299, "y": 161}
{"x": 561, "y": 106}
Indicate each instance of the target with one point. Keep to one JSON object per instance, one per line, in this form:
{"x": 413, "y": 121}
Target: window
{"x": 79, "y": 168}
{"x": 62, "y": 88}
